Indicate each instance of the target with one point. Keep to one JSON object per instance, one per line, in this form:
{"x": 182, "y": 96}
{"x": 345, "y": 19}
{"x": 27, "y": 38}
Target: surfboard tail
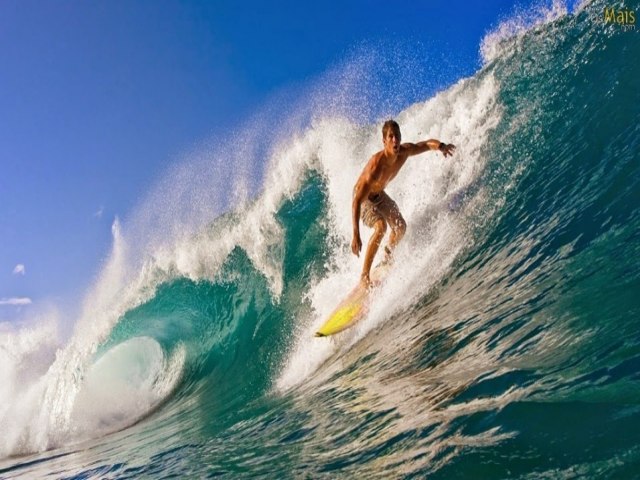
{"x": 354, "y": 307}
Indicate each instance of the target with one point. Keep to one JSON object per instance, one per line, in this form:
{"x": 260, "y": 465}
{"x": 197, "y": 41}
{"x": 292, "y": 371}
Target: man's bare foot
{"x": 369, "y": 284}
{"x": 365, "y": 282}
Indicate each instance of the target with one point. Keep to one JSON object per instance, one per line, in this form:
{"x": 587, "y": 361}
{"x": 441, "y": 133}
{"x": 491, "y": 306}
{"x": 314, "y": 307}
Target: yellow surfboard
{"x": 354, "y": 307}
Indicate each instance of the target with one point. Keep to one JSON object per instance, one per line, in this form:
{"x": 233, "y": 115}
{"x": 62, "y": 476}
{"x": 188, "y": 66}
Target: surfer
{"x": 369, "y": 198}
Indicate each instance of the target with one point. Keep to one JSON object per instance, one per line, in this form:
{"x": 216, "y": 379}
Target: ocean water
{"x": 505, "y": 344}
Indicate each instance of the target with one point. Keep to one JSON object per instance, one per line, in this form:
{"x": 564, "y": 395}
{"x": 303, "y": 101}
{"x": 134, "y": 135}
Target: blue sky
{"x": 97, "y": 98}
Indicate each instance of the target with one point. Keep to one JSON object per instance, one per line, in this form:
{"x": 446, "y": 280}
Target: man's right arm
{"x": 360, "y": 192}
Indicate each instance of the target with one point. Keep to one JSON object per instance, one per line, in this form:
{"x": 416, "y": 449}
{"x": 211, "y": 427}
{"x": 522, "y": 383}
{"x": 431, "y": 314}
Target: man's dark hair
{"x": 388, "y": 125}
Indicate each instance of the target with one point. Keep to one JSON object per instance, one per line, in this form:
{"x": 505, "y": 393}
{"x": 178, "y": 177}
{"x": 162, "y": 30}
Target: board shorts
{"x": 380, "y": 207}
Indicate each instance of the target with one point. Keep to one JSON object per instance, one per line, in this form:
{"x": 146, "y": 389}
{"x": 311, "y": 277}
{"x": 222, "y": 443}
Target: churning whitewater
{"x": 503, "y": 345}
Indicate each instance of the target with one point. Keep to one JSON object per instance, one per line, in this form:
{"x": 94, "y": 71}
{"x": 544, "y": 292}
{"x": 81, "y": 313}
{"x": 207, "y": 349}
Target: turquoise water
{"x": 506, "y": 343}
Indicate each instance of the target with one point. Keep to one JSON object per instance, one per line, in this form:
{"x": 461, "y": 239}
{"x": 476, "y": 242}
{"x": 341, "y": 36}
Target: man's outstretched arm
{"x": 447, "y": 149}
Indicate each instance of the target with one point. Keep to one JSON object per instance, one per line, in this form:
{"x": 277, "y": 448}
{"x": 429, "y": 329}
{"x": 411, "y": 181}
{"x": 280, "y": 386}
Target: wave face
{"x": 505, "y": 344}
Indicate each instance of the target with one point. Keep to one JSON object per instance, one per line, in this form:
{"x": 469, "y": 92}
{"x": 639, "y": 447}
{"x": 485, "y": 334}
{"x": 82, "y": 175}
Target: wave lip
{"x": 513, "y": 30}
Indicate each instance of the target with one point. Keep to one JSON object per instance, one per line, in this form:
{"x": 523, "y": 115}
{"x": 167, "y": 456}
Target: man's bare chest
{"x": 386, "y": 172}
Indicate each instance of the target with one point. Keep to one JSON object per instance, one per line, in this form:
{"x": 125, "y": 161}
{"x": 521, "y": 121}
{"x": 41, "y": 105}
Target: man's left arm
{"x": 447, "y": 149}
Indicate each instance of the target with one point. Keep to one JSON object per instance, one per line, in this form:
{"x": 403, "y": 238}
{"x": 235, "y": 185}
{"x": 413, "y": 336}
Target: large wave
{"x": 512, "y": 275}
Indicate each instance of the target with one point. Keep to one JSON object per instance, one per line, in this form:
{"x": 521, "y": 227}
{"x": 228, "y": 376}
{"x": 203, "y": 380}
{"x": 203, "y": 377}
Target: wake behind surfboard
{"x": 354, "y": 307}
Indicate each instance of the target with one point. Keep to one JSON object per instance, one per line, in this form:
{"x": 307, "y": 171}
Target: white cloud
{"x": 17, "y": 301}
{"x": 19, "y": 269}
{"x": 99, "y": 212}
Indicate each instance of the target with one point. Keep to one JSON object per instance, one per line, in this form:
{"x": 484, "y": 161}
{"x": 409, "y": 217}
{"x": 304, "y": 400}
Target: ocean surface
{"x": 504, "y": 344}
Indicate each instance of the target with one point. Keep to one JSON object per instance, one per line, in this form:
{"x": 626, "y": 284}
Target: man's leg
{"x": 398, "y": 229}
{"x": 392, "y": 215}
{"x": 380, "y": 227}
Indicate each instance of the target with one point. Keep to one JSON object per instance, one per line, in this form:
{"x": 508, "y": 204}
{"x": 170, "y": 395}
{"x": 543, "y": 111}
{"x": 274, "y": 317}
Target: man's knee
{"x": 380, "y": 228}
{"x": 399, "y": 226}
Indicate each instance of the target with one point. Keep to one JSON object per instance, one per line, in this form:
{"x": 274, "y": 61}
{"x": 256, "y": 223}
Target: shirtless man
{"x": 378, "y": 209}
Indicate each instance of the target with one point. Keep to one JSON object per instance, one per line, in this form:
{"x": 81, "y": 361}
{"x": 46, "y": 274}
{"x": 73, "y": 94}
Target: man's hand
{"x": 356, "y": 244}
{"x": 447, "y": 149}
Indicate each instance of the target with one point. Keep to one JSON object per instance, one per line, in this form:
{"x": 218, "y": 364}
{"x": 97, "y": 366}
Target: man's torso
{"x": 381, "y": 171}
